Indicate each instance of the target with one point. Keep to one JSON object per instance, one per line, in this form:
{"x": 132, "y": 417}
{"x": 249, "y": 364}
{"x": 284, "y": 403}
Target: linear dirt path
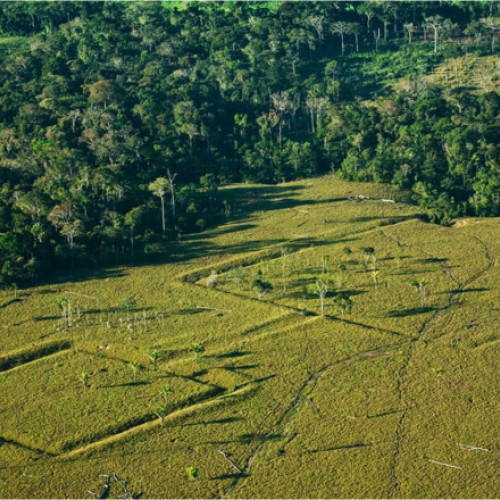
{"x": 402, "y": 386}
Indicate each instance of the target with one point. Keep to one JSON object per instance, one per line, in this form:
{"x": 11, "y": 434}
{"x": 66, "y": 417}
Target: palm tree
{"x": 284, "y": 254}
{"x": 159, "y": 188}
{"x": 197, "y": 348}
{"x": 341, "y": 267}
{"x": 162, "y": 412}
{"x": 347, "y": 252}
{"x": 165, "y": 391}
{"x": 126, "y": 304}
{"x": 322, "y": 290}
{"x": 368, "y": 253}
{"x": 237, "y": 275}
{"x": 325, "y": 263}
{"x": 343, "y": 304}
{"x": 153, "y": 356}
{"x": 65, "y": 305}
{"x": 135, "y": 366}
{"x": 375, "y": 274}
{"x": 420, "y": 287}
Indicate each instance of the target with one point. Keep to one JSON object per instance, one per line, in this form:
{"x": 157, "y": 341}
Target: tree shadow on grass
{"x": 125, "y": 384}
{"x": 468, "y": 290}
{"x": 246, "y": 202}
{"x": 410, "y": 312}
{"x": 394, "y": 219}
{"x": 232, "y": 368}
{"x": 256, "y": 381}
{"x": 9, "y": 302}
{"x": 431, "y": 260}
{"x": 190, "y": 311}
{"x": 225, "y": 229}
{"x": 232, "y": 354}
{"x": 312, "y": 294}
{"x": 104, "y": 310}
{"x": 47, "y": 318}
{"x": 236, "y": 475}
{"x": 249, "y": 438}
{"x": 414, "y": 272}
{"x": 255, "y": 436}
{"x": 228, "y": 420}
{"x": 82, "y": 274}
{"x": 343, "y": 447}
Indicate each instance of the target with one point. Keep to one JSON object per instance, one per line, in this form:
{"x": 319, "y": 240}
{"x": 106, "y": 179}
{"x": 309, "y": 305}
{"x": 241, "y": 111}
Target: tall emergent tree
{"x": 159, "y": 188}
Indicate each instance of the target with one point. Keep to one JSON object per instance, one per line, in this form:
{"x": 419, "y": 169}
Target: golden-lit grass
{"x": 304, "y": 405}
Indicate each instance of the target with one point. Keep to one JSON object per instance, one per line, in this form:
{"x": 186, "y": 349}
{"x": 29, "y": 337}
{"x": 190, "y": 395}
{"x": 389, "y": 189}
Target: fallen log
{"x": 223, "y": 453}
{"x": 444, "y": 464}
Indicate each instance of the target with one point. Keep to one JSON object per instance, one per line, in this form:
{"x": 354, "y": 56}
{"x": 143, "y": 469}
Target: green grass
{"x": 306, "y": 406}
{"x": 479, "y": 73}
{"x": 378, "y": 70}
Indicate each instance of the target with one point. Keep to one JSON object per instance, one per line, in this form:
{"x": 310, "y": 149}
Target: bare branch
{"x": 444, "y": 464}
{"x": 223, "y": 453}
{"x": 472, "y": 448}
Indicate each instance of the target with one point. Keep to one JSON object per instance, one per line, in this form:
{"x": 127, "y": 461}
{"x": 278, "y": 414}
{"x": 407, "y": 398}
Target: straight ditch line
{"x": 152, "y": 424}
{"x": 36, "y": 360}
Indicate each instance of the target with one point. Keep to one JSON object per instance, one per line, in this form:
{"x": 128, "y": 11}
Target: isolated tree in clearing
{"x": 343, "y": 304}
{"x": 66, "y": 312}
{"x": 368, "y": 253}
{"x": 237, "y": 276}
{"x": 162, "y": 412}
{"x": 375, "y": 273}
{"x": 261, "y": 287}
{"x": 198, "y": 349}
{"x": 135, "y": 366}
{"x": 153, "y": 356}
{"x": 165, "y": 391}
{"x": 284, "y": 254}
{"x": 341, "y": 267}
{"x": 421, "y": 289}
{"x": 126, "y": 304}
{"x": 322, "y": 290}
{"x": 324, "y": 263}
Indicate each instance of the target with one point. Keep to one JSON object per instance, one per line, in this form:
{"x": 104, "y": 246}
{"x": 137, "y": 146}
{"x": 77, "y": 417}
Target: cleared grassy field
{"x": 395, "y": 396}
{"x": 482, "y": 74}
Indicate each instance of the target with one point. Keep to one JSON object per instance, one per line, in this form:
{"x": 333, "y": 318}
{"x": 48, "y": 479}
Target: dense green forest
{"x": 119, "y": 121}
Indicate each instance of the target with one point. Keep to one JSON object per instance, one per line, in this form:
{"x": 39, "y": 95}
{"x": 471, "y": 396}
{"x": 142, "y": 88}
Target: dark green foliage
{"x": 261, "y": 287}
{"x": 118, "y": 121}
